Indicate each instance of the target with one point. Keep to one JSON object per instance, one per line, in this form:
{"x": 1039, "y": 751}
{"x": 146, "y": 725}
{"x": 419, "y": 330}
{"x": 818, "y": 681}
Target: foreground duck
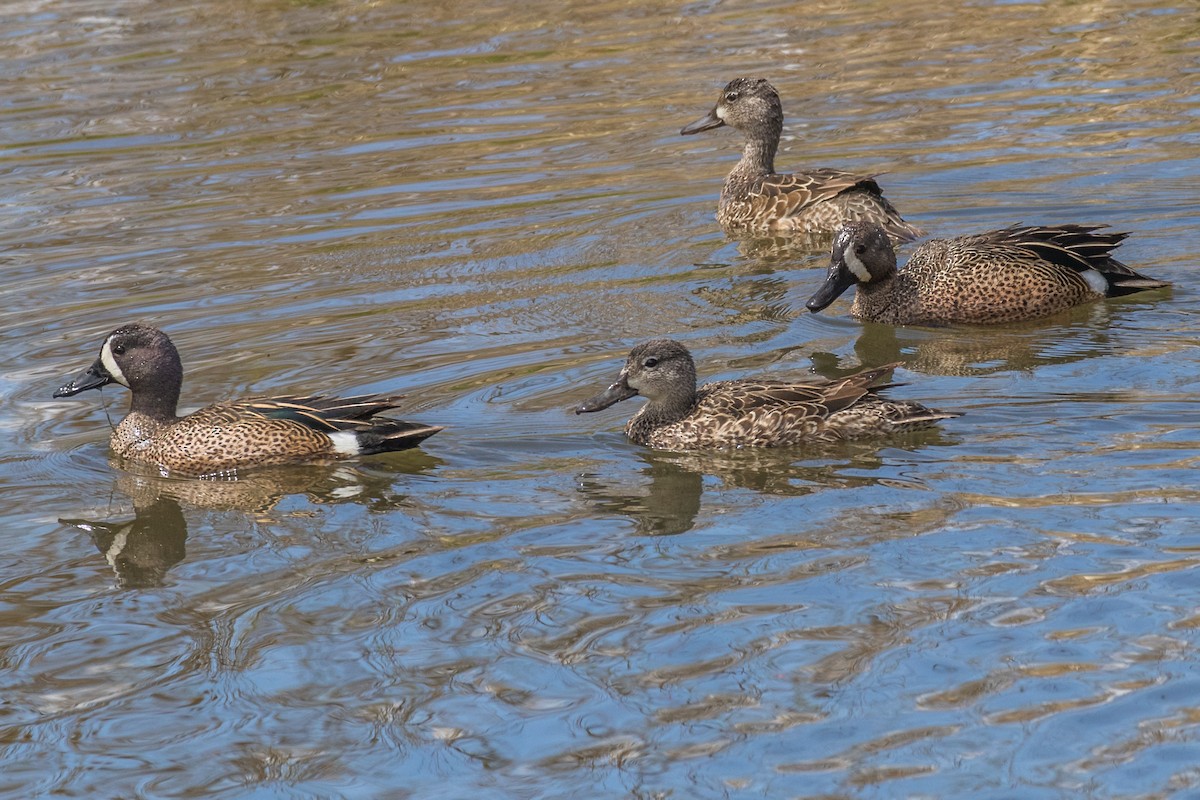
{"x": 746, "y": 413}
{"x": 1018, "y": 273}
{"x": 757, "y": 198}
{"x": 224, "y": 437}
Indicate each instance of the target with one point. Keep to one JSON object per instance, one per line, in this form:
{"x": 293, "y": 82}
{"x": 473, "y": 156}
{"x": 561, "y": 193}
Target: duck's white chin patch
{"x": 110, "y": 364}
{"x": 345, "y": 443}
{"x": 856, "y": 266}
{"x": 1095, "y": 281}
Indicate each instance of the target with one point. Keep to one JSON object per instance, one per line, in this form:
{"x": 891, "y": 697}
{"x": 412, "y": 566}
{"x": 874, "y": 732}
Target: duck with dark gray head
{"x": 236, "y": 434}
{"x": 1009, "y": 275}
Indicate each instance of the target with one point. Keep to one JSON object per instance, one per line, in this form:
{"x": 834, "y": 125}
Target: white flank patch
{"x": 857, "y": 266}
{"x": 345, "y": 443}
{"x": 1097, "y": 282}
{"x": 110, "y": 364}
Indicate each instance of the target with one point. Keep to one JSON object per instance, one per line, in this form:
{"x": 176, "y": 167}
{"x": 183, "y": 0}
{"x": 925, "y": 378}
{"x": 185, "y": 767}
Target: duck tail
{"x": 1123, "y": 280}
{"x": 1084, "y": 248}
{"x": 911, "y": 416}
{"x": 387, "y": 435}
{"x": 901, "y": 231}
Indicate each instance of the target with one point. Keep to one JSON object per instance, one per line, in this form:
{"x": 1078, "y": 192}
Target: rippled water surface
{"x": 483, "y": 206}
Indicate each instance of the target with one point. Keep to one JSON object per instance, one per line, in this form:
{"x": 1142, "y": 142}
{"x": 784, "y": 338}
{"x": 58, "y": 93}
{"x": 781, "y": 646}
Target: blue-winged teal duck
{"x": 224, "y": 437}
{"x": 746, "y": 413}
{"x": 1017, "y": 273}
{"x": 757, "y": 198}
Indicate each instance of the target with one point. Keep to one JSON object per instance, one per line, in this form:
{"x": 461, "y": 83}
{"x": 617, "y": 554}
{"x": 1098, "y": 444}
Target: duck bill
{"x": 93, "y": 377}
{"x": 840, "y": 279}
{"x": 704, "y": 124}
{"x": 611, "y": 396}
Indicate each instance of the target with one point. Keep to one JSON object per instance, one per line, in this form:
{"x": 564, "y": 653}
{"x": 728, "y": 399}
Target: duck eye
{"x": 859, "y": 249}
{"x": 731, "y": 97}
{"x": 118, "y": 349}
{"x": 650, "y": 362}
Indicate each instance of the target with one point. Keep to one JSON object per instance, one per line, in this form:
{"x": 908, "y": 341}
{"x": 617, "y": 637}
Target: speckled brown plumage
{"x": 758, "y": 199}
{"x": 235, "y": 434}
{"x": 1017, "y": 273}
{"x": 747, "y": 413}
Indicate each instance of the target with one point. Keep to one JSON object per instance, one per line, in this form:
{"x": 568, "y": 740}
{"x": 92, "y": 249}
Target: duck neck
{"x": 877, "y": 300}
{"x": 160, "y": 399}
{"x": 659, "y": 412}
{"x": 159, "y": 407}
{"x": 758, "y": 158}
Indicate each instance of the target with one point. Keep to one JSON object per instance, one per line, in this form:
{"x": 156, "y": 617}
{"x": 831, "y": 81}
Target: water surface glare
{"x": 483, "y": 207}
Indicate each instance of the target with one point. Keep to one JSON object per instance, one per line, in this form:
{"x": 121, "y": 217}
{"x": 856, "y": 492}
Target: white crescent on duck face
{"x": 110, "y": 363}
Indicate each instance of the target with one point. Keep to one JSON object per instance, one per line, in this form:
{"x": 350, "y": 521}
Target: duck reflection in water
{"x": 665, "y": 497}
{"x": 143, "y": 549}
{"x": 1079, "y": 334}
{"x": 664, "y": 506}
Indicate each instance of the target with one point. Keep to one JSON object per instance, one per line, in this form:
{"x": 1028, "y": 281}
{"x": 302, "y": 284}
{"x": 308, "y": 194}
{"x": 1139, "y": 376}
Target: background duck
{"x": 227, "y": 436}
{"x": 747, "y": 413}
{"x": 1017, "y": 273}
{"x": 757, "y": 198}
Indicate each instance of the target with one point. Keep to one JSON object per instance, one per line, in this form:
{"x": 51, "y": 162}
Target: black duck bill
{"x": 706, "y": 123}
{"x": 614, "y": 394}
{"x": 93, "y": 377}
{"x": 840, "y": 279}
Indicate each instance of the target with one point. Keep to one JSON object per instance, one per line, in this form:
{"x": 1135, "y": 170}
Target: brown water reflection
{"x": 142, "y": 549}
{"x": 483, "y": 207}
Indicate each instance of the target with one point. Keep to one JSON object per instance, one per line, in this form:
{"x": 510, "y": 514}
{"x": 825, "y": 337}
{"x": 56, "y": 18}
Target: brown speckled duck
{"x": 1018, "y": 273}
{"x": 746, "y": 413}
{"x": 224, "y": 437}
{"x": 758, "y": 199}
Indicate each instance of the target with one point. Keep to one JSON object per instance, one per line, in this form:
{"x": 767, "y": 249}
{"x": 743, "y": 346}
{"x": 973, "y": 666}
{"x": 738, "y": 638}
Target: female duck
{"x": 757, "y": 198}
{"x": 744, "y": 413}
